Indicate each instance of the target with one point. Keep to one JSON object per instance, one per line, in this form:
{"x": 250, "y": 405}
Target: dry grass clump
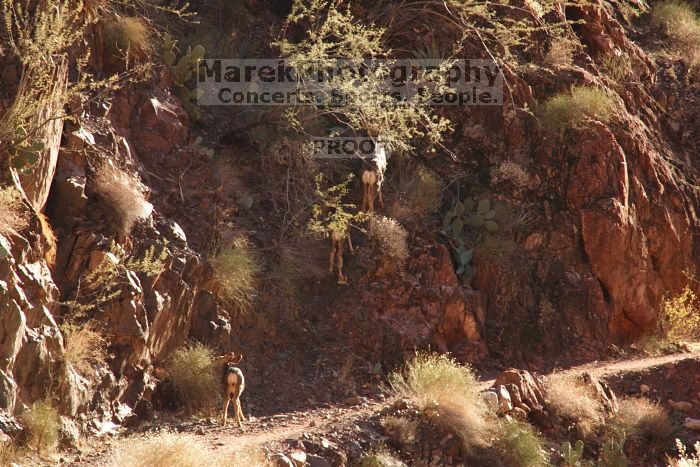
{"x": 165, "y": 450}
{"x": 85, "y": 347}
{"x": 645, "y": 423}
{"x": 421, "y": 191}
{"x": 402, "y": 430}
{"x": 573, "y": 110}
{"x": 571, "y": 399}
{"x": 390, "y": 237}
{"x": 236, "y": 267}
{"x": 191, "y": 370}
{"x": 447, "y": 392}
{"x": 13, "y": 215}
{"x": 561, "y": 52}
{"x": 511, "y": 173}
{"x": 680, "y": 316}
{"x": 685, "y": 459}
{"x": 681, "y": 24}
{"x": 519, "y": 445}
{"x": 129, "y": 36}
{"x": 42, "y": 424}
{"x": 122, "y": 194}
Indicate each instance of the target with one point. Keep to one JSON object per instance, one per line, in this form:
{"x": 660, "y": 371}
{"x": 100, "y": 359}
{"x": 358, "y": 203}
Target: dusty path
{"x": 272, "y": 431}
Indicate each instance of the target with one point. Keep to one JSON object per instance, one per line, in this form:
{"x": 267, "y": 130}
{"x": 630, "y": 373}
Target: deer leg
{"x": 352, "y": 250}
{"x": 226, "y": 408}
{"x": 379, "y": 196}
{"x": 235, "y": 411}
{"x": 339, "y": 255}
{"x": 365, "y": 196}
{"x": 332, "y": 256}
{"x": 241, "y": 417}
{"x": 370, "y": 198}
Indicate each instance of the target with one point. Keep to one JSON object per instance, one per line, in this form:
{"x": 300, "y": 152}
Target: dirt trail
{"x": 272, "y": 431}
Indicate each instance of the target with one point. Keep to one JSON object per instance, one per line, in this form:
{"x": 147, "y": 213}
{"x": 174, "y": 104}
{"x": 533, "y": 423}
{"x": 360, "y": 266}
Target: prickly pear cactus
{"x": 612, "y": 455}
{"x": 26, "y": 152}
{"x": 182, "y": 70}
{"x": 467, "y": 213}
{"x": 572, "y": 456}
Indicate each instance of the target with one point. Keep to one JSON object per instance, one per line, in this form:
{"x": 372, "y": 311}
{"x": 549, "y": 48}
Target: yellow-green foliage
{"x": 446, "y": 390}
{"x": 85, "y": 347}
{"x": 330, "y": 213}
{"x": 681, "y": 24}
{"x": 332, "y": 33}
{"x": 191, "y": 370}
{"x": 129, "y": 36}
{"x": 42, "y": 423}
{"x": 40, "y": 37}
{"x": 646, "y": 424}
{"x": 519, "y": 445}
{"x": 236, "y": 268}
{"x": 680, "y": 316}
{"x": 13, "y": 215}
{"x": 381, "y": 458}
{"x": 573, "y": 110}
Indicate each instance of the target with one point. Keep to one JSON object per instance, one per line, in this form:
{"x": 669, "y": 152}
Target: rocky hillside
{"x": 135, "y": 221}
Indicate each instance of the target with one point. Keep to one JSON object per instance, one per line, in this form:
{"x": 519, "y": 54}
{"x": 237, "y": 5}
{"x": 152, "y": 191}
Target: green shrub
{"x": 420, "y": 191}
{"x": 680, "y": 316}
{"x": 191, "y": 370}
{"x": 381, "y": 458}
{"x": 680, "y": 23}
{"x": 520, "y": 446}
{"x": 573, "y": 401}
{"x": 236, "y": 267}
{"x": 574, "y": 109}
{"x": 41, "y": 423}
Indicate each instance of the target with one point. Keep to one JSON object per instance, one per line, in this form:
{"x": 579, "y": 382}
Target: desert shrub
{"x": 446, "y": 391}
{"x": 13, "y": 215}
{"x": 122, "y": 194}
{"x": 390, "y": 237}
{"x": 128, "y": 36}
{"x": 519, "y": 445}
{"x": 618, "y": 67}
{"x": 680, "y": 316}
{"x": 381, "y": 458}
{"x": 572, "y": 400}
{"x": 572, "y": 110}
{"x": 236, "y": 267}
{"x": 645, "y": 424}
{"x": 685, "y": 459}
{"x": 85, "y": 347}
{"x": 561, "y": 51}
{"x": 165, "y": 450}
{"x": 191, "y": 370}
{"x": 42, "y": 423}
{"x": 401, "y": 430}
{"x": 681, "y": 24}
{"x": 511, "y": 173}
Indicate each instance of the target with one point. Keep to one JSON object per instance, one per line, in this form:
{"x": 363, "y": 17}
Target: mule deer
{"x": 336, "y": 255}
{"x": 372, "y": 178}
{"x": 234, "y": 384}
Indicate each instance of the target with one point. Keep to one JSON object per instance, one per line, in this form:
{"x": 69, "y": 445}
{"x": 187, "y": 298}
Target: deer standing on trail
{"x": 234, "y": 384}
{"x": 372, "y": 178}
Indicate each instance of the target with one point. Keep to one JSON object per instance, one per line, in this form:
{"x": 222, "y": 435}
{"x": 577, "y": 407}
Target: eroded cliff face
{"x": 616, "y": 226}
